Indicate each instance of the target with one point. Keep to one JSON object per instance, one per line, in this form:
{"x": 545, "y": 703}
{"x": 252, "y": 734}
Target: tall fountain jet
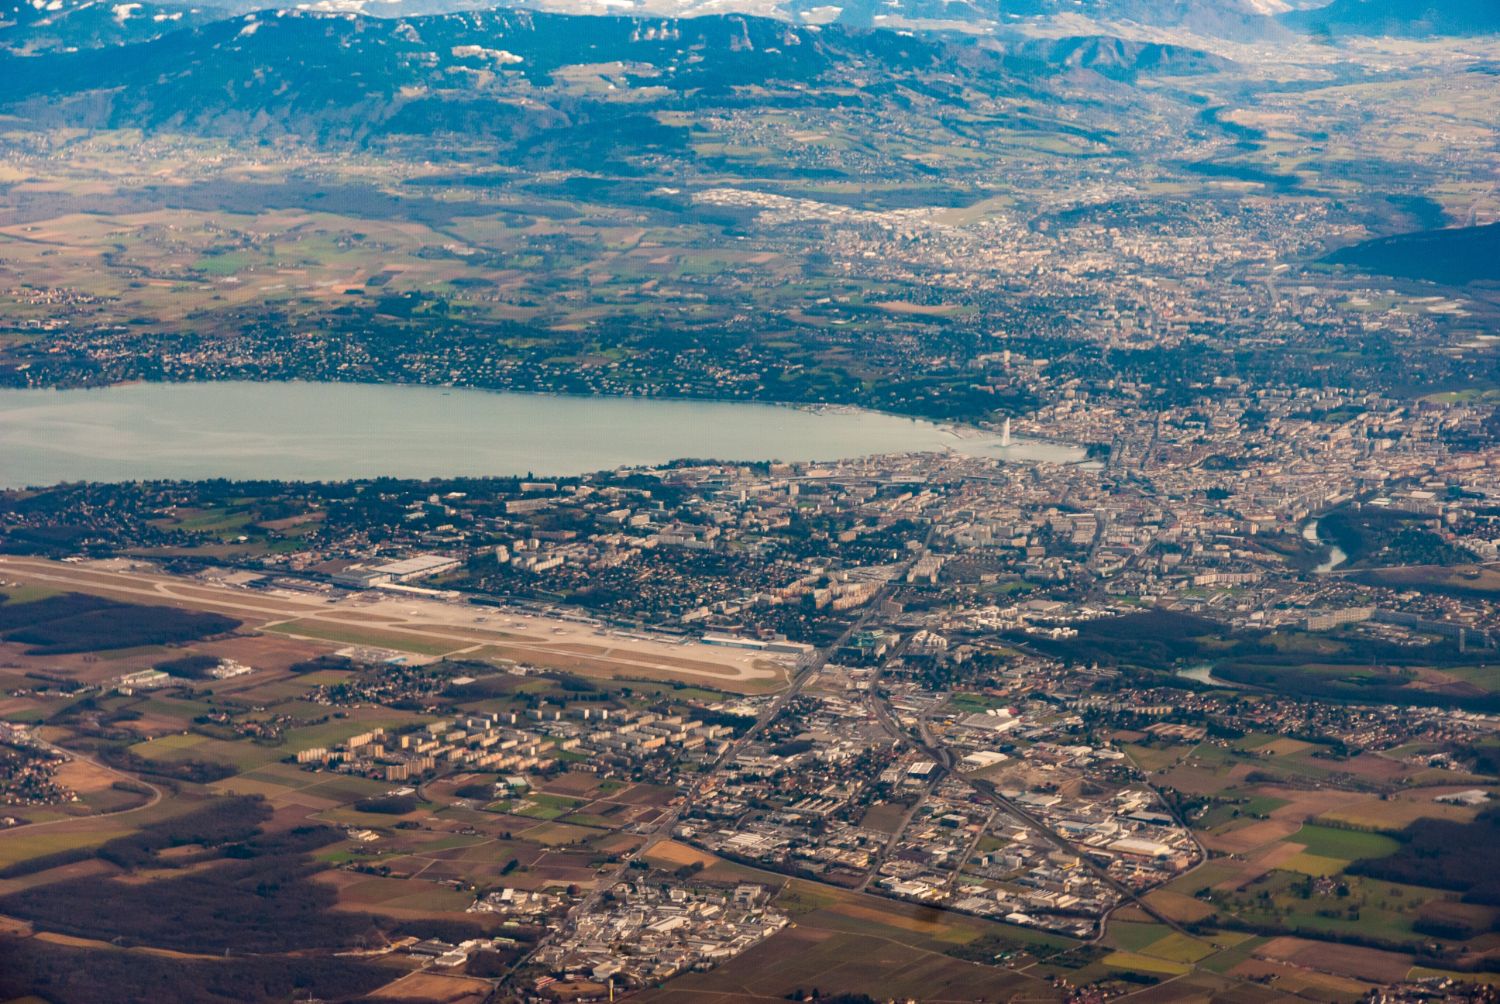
{"x": 1005, "y": 434}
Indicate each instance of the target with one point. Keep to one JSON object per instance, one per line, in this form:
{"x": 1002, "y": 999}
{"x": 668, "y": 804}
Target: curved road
{"x": 156, "y": 793}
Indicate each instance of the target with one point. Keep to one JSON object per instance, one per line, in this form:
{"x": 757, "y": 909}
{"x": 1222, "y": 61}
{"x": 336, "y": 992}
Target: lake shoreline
{"x": 300, "y": 430}
{"x": 959, "y": 428}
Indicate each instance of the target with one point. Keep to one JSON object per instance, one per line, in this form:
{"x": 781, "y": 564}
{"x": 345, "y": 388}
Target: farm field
{"x": 1291, "y": 832}
{"x": 222, "y": 753}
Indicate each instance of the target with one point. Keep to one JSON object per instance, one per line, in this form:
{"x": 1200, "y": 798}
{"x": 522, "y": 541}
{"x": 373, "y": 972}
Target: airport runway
{"x": 416, "y": 625}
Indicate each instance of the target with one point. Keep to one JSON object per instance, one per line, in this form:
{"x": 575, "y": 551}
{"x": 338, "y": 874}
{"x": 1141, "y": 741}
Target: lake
{"x": 335, "y": 431}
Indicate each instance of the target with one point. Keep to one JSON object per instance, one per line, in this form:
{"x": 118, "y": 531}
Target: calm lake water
{"x": 316, "y": 431}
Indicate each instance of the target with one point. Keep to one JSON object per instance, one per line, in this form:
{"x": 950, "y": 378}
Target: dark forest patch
{"x": 77, "y": 623}
{"x": 1453, "y": 256}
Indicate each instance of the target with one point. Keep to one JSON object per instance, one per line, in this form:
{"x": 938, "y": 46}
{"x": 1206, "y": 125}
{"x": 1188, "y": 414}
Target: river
{"x": 1336, "y": 555}
{"x": 334, "y": 431}
{"x": 1204, "y": 673}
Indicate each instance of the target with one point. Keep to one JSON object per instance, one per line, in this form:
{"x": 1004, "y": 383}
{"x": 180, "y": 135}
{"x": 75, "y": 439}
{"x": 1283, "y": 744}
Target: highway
{"x": 662, "y": 828}
{"x": 928, "y": 744}
{"x": 940, "y": 754}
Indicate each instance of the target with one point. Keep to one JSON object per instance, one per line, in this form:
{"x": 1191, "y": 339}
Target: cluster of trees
{"x": 189, "y": 667}
{"x": 258, "y": 898}
{"x": 476, "y": 789}
{"x": 215, "y": 823}
{"x": 1391, "y": 684}
{"x": 1155, "y": 639}
{"x": 1443, "y": 854}
{"x": 1387, "y": 538}
{"x": 337, "y": 663}
{"x": 64, "y": 974}
{"x": 76, "y": 623}
{"x": 248, "y": 891}
{"x": 387, "y": 805}
{"x": 191, "y": 771}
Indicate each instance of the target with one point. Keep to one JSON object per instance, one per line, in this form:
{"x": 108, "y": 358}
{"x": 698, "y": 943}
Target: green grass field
{"x": 357, "y": 636}
{"x": 25, "y": 844}
{"x": 1137, "y": 963}
{"x": 549, "y": 807}
{"x": 1344, "y": 845}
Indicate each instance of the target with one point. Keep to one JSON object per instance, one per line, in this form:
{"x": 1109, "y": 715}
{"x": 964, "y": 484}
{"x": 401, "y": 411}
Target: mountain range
{"x": 51, "y": 25}
{"x": 43, "y": 26}
{"x": 512, "y": 75}
{"x": 480, "y": 74}
{"x": 1402, "y": 18}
